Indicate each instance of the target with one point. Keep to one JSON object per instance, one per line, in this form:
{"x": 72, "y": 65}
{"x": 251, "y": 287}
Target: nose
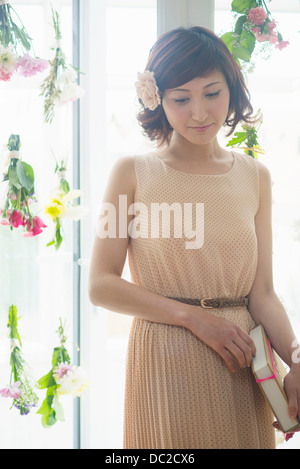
{"x": 198, "y": 112}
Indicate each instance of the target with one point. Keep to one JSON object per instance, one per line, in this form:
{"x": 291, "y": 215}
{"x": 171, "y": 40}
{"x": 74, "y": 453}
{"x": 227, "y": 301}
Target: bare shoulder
{"x": 262, "y": 169}
{"x": 265, "y": 179}
{"x": 122, "y": 177}
{"x": 124, "y": 166}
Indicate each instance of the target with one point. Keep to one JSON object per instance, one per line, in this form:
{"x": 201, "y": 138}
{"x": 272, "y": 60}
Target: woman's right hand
{"x": 223, "y": 336}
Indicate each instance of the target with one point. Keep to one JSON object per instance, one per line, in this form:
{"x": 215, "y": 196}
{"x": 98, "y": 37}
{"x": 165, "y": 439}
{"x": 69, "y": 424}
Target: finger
{"x": 277, "y": 426}
{"x": 238, "y": 353}
{"x": 246, "y": 350}
{"x": 291, "y": 392}
{"x": 293, "y": 405}
{"x": 247, "y": 339}
{"x": 227, "y": 357}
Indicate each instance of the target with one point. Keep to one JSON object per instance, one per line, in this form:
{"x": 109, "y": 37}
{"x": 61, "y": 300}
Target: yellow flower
{"x": 55, "y": 209}
{"x": 60, "y": 206}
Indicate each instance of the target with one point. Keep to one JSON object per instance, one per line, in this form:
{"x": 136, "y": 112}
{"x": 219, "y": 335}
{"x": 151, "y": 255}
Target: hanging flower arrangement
{"x": 20, "y": 193}
{"x": 21, "y": 388}
{"x": 60, "y": 86}
{"x": 15, "y": 44}
{"x": 247, "y": 136}
{"x": 63, "y": 379}
{"x": 61, "y": 205}
{"x": 254, "y": 24}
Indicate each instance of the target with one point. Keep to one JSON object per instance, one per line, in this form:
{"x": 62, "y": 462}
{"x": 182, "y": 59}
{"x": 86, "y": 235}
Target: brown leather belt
{"x": 210, "y": 303}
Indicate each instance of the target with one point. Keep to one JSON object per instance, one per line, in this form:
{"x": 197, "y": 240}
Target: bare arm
{"x": 264, "y": 305}
{"x": 106, "y": 287}
{"x": 109, "y": 290}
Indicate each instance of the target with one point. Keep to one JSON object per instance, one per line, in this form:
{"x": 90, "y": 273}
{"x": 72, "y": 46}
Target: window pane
{"x": 131, "y": 32}
{"x": 37, "y": 279}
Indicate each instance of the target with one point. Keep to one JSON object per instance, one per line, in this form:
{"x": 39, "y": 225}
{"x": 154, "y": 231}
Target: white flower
{"x": 75, "y": 213}
{"x": 74, "y": 382}
{"x": 59, "y": 205}
{"x": 68, "y": 76}
{"x": 70, "y": 92}
{"x": 8, "y": 59}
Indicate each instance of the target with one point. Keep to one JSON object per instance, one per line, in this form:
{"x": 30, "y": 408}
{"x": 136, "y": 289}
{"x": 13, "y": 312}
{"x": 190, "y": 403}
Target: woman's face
{"x": 199, "y": 108}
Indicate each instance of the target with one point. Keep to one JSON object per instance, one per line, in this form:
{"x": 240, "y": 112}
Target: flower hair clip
{"x": 147, "y": 90}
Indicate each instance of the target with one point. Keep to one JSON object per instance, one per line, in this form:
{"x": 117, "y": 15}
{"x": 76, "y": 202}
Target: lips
{"x": 201, "y": 129}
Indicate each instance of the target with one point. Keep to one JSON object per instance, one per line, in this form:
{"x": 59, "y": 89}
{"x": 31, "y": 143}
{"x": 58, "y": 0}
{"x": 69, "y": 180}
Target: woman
{"x": 199, "y": 286}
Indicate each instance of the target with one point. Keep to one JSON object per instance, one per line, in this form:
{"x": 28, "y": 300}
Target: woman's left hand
{"x": 292, "y": 389}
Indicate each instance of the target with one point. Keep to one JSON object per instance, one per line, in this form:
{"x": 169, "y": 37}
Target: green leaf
{"x": 64, "y": 185}
{"x": 240, "y": 138}
{"x": 228, "y": 39}
{"x": 60, "y": 355}
{"x": 49, "y": 419}
{"x": 26, "y": 175}
{"x": 47, "y": 381}
{"x": 13, "y": 176}
{"x": 50, "y": 243}
{"x": 246, "y": 47}
{"x": 58, "y": 238}
{"x": 242, "y": 6}
{"x": 59, "y": 410}
{"x": 45, "y": 408}
{"x": 13, "y": 323}
{"x": 14, "y": 143}
{"x": 22, "y": 36}
{"x": 52, "y": 418}
{"x": 239, "y": 24}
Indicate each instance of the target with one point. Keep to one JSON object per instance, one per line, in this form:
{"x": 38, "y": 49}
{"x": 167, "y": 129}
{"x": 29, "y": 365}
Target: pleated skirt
{"x": 180, "y": 394}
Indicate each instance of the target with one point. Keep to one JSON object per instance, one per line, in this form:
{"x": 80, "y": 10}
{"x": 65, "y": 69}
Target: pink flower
{"x": 16, "y": 219}
{"x": 147, "y": 90}
{"x": 12, "y": 391}
{"x": 273, "y": 38}
{"x": 3, "y": 221}
{"x": 5, "y": 76}
{"x": 261, "y": 37}
{"x": 272, "y": 25}
{"x": 288, "y": 436}
{"x": 61, "y": 371}
{"x": 257, "y": 15}
{"x": 29, "y": 66}
{"x": 34, "y": 229}
{"x": 282, "y": 44}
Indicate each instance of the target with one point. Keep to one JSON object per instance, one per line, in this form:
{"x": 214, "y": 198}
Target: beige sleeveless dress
{"x": 179, "y": 392}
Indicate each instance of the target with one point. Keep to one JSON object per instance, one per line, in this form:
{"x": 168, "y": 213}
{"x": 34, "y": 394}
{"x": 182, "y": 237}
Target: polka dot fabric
{"x": 179, "y": 392}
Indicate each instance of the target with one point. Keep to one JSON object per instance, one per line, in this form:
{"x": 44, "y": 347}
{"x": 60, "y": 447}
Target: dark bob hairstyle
{"x": 178, "y": 57}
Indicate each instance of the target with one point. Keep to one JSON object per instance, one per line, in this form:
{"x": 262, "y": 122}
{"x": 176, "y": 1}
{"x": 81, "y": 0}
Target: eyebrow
{"x": 210, "y": 84}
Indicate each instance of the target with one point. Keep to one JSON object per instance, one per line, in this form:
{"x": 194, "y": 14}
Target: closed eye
{"x": 213, "y": 95}
{"x": 181, "y": 101}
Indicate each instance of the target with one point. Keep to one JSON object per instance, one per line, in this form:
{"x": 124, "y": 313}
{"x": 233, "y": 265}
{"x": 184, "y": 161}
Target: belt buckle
{"x": 204, "y": 305}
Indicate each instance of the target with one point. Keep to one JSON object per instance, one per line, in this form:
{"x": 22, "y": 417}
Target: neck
{"x": 183, "y": 149}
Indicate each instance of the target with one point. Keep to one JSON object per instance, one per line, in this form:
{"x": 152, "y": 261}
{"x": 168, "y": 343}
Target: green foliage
{"x": 247, "y": 136}
{"x": 242, "y": 40}
{"x": 10, "y": 33}
{"x": 49, "y": 88}
{"x": 51, "y": 410}
{"x": 14, "y": 142}
{"x": 243, "y": 6}
{"x": 19, "y": 372}
{"x": 12, "y": 323}
{"x": 20, "y": 177}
